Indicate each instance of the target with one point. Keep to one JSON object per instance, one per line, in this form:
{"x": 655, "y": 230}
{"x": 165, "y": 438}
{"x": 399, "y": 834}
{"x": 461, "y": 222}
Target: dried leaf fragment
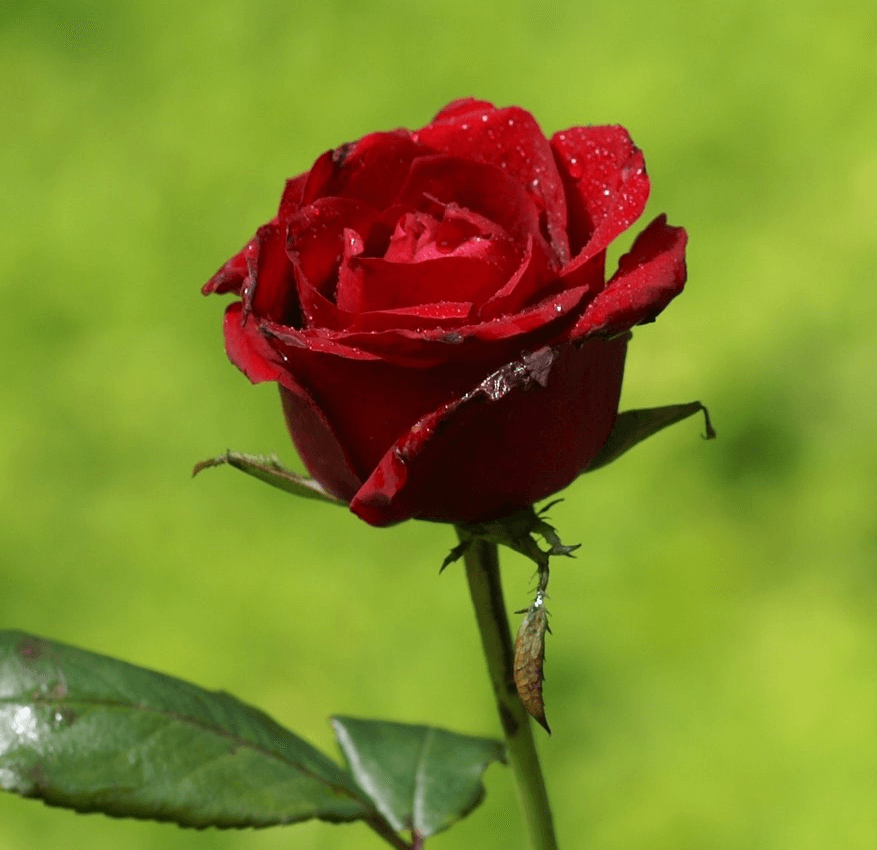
{"x": 530, "y": 658}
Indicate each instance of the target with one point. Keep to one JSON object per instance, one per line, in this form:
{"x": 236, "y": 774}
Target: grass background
{"x": 712, "y": 677}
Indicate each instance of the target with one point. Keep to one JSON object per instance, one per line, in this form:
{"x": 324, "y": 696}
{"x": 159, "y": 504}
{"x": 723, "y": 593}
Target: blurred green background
{"x": 712, "y": 676}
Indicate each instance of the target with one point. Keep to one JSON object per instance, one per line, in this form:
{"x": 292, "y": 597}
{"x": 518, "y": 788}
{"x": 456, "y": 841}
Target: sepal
{"x": 271, "y": 471}
{"x": 634, "y": 426}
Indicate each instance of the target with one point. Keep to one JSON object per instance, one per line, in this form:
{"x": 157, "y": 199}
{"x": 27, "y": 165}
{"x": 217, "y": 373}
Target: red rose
{"x": 433, "y": 305}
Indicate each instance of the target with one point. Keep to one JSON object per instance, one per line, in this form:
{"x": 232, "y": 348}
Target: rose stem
{"x": 482, "y": 571}
{"x": 382, "y": 828}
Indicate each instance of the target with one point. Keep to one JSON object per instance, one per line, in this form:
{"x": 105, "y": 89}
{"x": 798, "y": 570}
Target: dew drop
{"x": 558, "y": 308}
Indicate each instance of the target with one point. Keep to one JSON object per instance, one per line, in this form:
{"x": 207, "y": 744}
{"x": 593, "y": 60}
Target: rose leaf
{"x": 95, "y": 734}
{"x": 420, "y": 778}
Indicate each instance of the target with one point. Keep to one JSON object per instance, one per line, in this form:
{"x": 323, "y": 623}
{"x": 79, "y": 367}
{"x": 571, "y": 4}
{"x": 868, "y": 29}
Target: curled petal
{"x": 231, "y": 276}
{"x": 247, "y": 348}
{"x": 607, "y": 186}
{"x": 649, "y": 276}
{"x": 267, "y": 291}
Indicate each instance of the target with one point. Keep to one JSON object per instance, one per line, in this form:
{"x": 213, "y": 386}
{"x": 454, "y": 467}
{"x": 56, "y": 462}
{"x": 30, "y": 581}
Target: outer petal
{"x": 522, "y": 434}
{"x": 247, "y": 348}
{"x": 317, "y": 442}
{"x": 648, "y": 278}
{"x": 268, "y": 290}
{"x": 231, "y": 277}
{"x": 607, "y": 186}
{"x": 369, "y": 403}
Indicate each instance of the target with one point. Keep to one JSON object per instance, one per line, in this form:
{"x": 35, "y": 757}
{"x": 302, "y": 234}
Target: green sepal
{"x": 271, "y": 471}
{"x": 516, "y": 531}
{"x": 421, "y": 778}
{"x": 634, "y": 426}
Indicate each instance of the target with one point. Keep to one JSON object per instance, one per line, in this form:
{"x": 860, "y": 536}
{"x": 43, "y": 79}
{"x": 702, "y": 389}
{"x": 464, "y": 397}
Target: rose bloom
{"x": 434, "y": 307}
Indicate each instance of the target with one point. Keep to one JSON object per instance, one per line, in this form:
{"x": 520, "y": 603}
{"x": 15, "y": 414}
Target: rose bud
{"x": 434, "y": 307}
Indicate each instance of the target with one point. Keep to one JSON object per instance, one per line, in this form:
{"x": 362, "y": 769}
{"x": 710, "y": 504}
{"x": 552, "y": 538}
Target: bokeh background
{"x": 712, "y": 676}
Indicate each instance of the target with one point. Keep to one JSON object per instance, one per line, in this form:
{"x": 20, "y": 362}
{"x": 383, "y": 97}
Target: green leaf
{"x": 420, "y": 778}
{"x": 271, "y": 471}
{"x": 95, "y": 734}
{"x": 634, "y": 426}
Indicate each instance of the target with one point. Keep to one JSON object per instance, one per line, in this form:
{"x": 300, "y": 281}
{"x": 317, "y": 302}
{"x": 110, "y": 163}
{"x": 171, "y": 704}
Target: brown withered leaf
{"x": 529, "y": 660}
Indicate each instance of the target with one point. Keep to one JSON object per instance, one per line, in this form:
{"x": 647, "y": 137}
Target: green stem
{"x": 382, "y": 828}
{"x": 482, "y": 572}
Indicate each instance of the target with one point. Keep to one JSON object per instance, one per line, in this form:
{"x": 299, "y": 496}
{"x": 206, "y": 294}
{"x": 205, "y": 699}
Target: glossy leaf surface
{"x": 91, "y": 733}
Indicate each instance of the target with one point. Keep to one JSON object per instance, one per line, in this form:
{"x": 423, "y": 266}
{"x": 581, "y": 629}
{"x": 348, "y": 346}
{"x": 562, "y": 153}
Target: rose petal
{"x": 316, "y": 441}
{"x": 512, "y": 140}
{"x": 461, "y": 107}
{"x": 386, "y": 286}
{"x": 519, "y": 436}
{"x": 607, "y": 186}
{"x": 404, "y": 340}
{"x": 231, "y": 276}
{"x": 371, "y": 170}
{"x": 293, "y": 196}
{"x": 317, "y": 237}
{"x": 370, "y": 403}
{"x": 648, "y": 278}
{"x": 436, "y": 181}
{"x": 267, "y": 290}
{"x": 247, "y": 348}
{"x": 532, "y": 279}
